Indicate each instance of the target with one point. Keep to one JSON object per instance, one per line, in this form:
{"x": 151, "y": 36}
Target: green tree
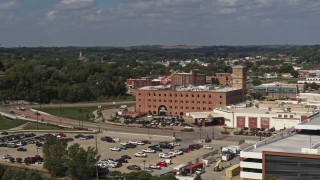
{"x": 12, "y": 160}
{"x": 256, "y": 82}
{"x": 294, "y": 74}
{"x": 2, "y": 170}
{"x": 198, "y": 177}
{"x": 54, "y": 152}
{"x": 19, "y": 160}
{"x": 168, "y": 177}
{"x": 81, "y": 162}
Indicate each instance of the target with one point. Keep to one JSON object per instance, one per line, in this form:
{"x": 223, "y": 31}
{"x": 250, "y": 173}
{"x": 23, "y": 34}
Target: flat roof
{"x": 310, "y": 124}
{"x": 292, "y": 144}
{"x": 204, "y": 114}
{"x": 190, "y": 88}
{"x": 259, "y": 111}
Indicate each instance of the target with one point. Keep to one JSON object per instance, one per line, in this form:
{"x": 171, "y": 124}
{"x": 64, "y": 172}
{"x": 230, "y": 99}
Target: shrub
{"x": 19, "y": 160}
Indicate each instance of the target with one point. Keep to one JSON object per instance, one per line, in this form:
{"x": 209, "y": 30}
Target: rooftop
{"x": 291, "y": 142}
{"x": 190, "y": 88}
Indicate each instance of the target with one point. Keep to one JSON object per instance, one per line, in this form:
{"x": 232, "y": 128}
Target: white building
{"x": 291, "y": 154}
{"x": 311, "y": 80}
{"x": 253, "y": 117}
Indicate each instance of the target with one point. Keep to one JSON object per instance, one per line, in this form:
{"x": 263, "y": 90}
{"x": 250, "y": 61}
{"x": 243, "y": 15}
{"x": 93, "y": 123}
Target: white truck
{"x": 234, "y": 149}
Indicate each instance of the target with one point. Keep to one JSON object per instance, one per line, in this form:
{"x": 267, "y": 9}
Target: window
{"x": 154, "y": 94}
{"x": 149, "y": 94}
{"x": 170, "y": 107}
{"x": 154, "y": 100}
{"x": 159, "y": 94}
{"x": 164, "y": 100}
{"x": 192, "y": 95}
{"x": 165, "y": 94}
{"x": 181, "y": 95}
{"x": 139, "y": 99}
{"x": 204, "y": 108}
{"x": 220, "y": 102}
{"x": 181, "y": 107}
{"x": 285, "y": 116}
{"x": 204, "y": 102}
{"x": 176, "y": 95}
{"x": 176, "y": 107}
{"x": 139, "y": 105}
{"x": 187, "y": 95}
{"x": 181, "y": 101}
{"x": 210, "y": 109}
{"x": 198, "y": 102}
{"x": 187, "y": 101}
{"x": 149, "y": 100}
{"x": 192, "y": 108}
{"x": 187, "y": 107}
{"x": 291, "y": 116}
{"x": 198, "y": 108}
{"x": 139, "y": 94}
{"x": 220, "y": 96}
{"x": 209, "y": 95}
{"x": 149, "y": 106}
{"x": 204, "y": 95}
{"x": 154, "y": 106}
{"x": 198, "y": 95}
{"x": 170, "y": 95}
{"x": 210, "y": 102}
{"x": 175, "y": 101}
{"x": 159, "y": 100}
{"x": 170, "y": 100}
{"x": 279, "y": 115}
{"x": 192, "y": 101}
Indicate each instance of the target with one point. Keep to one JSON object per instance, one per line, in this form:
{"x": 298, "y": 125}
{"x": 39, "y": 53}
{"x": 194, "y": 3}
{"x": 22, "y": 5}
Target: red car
{"x": 162, "y": 164}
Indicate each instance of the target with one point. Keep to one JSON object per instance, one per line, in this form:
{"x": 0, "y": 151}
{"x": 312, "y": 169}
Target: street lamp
{"x": 144, "y": 164}
{"x": 37, "y": 121}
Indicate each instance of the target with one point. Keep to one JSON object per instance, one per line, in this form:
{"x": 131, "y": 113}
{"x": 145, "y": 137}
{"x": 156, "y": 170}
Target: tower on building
{"x": 239, "y": 77}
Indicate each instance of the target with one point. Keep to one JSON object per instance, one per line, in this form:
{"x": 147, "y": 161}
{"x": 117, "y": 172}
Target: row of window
{"x": 181, "y": 107}
{"x": 181, "y": 95}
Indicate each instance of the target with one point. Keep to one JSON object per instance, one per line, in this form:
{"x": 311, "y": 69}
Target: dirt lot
{"x": 104, "y": 150}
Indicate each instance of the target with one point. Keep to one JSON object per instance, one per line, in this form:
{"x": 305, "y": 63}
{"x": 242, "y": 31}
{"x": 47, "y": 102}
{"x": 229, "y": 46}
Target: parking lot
{"x": 104, "y": 150}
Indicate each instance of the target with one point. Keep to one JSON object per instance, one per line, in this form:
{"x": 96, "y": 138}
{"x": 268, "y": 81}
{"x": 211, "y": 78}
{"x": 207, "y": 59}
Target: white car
{"x": 177, "y": 152}
{"x": 140, "y": 154}
{"x": 148, "y": 150}
{"x": 140, "y": 143}
{"x": 84, "y": 138}
{"x": 115, "y": 149}
{"x": 116, "y": 139}
{"x": 7, "y": 156}
{"x": 174, "y": 144}
{"x": 207, "y": 147}
{"x": 124, "y": 143}
{"x": 200, "y": 171}
{"x": 165, "y": 155}
{"x": 133, "y": 142}
{"x": 154, "y": 166}
{"x": 172, "y": 154}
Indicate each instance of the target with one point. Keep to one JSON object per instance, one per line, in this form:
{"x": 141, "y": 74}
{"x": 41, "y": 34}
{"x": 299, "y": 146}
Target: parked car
{"x": 134, "y": 167}
{"x": 80, "y": 135}
{"x": 126, "y": 156}
{"x": 154, "y": 166}
{"x": 84, "y": 138}
{"x": 146, "y": 142}
{"x": 149, "y": 150}
{"x": 162, "y": 164}
{"x": 165, "y": 155}
{"x": 115, "y": 149}
{"x": 195, "y": 146}
{"x": 140, "y": 154}
{"x": 22, "y": 149}
{"x": 207, "y": 147}
{"x": 200, "y": 171}
{"x": 4, "y": 133}
{"x": 6, "y": 156}
{"x": 122, "y": 160}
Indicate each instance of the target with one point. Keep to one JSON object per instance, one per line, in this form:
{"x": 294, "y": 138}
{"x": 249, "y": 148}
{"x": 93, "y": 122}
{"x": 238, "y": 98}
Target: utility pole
{"x": 37, "y": 122}
{"x": 212, "y": 132}
{"x": 97, "y": 172}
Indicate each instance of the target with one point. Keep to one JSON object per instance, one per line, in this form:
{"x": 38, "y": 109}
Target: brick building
{"x": 174, "y": 101}
{"x": 185, "y": 79}
{"x": 139, "y": 83}
{"x": 177, "y": 100}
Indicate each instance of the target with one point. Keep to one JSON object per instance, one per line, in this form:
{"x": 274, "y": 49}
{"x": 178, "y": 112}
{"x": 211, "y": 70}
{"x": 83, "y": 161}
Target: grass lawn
{"x": 77, "y": 113}
{"x": 33, "y": 126}
{"x": 7, "y": 124}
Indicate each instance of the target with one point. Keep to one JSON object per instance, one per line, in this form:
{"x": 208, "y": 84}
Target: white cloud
{"x": 9, "y": 5}
{"x": 51, "y": 15}
{"x": 75, "y": 4}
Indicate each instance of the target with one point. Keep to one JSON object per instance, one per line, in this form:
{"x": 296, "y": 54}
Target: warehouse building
{"x": 278, "y": 90}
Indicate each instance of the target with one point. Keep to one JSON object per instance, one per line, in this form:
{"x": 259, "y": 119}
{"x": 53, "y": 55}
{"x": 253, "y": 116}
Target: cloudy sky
{"x": 164, "y": 22}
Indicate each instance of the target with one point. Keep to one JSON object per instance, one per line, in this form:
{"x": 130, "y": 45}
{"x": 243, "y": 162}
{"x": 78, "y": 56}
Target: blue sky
{"x": 164, "y": 22}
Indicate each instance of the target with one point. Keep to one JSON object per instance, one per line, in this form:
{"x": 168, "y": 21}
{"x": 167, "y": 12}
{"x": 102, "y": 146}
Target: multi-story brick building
{"x": 177, "y": 100}
{"x": 185, "y": 79}
{"x": 174, "y": 101}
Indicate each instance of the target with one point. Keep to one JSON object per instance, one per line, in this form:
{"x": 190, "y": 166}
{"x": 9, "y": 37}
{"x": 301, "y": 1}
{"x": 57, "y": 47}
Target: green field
{"x": 7, "y": 124}
{"x": 77, "y": 113}
{"x": 33, "y": 126}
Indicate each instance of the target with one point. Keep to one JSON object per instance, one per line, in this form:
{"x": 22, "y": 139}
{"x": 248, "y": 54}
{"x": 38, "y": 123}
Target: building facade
{"x": 171, "y": 100}
{"x": 277, "y": 90}
{"x": 185, "y": 79}
{"x": 133, "y": 84}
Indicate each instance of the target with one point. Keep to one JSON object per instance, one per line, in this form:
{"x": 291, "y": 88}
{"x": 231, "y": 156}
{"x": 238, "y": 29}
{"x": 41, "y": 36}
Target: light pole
{"x": 37, "y": 121}
{"x": 144, "y": 164}
{"x": 200, "y": 132}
